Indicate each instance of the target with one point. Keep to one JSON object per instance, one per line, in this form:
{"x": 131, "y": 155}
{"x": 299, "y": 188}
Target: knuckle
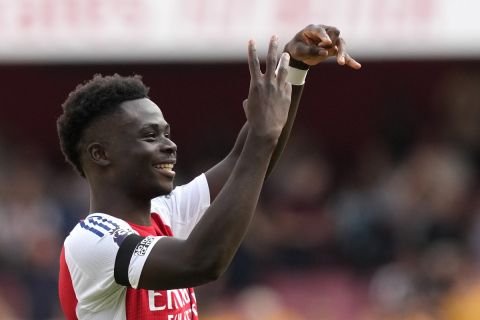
{"x": 323, "y": 27}
{"x": 334, "y": 31}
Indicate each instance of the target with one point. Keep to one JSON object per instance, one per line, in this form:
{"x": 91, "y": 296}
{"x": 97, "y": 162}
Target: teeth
{"x": 166, "y": 166}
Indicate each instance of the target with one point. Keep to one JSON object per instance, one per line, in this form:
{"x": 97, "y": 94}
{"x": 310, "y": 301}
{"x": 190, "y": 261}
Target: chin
{"x": 164, "y": 189}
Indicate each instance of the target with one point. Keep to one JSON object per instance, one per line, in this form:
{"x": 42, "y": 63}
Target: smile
{"x": 166, "y": 169}
{"x": 164, "y": 166}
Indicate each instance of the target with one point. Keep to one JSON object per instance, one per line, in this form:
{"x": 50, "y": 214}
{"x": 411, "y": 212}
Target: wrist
{"x": 268, "y": 138}
{"x": 264, "y": 142}
{"x": 297, "y": 71}
{"x": 297, "y": 64}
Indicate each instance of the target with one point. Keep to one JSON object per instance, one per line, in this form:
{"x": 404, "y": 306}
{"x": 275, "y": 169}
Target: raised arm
{"x": 206, "y": 253}
{"x": 310, "y": 46}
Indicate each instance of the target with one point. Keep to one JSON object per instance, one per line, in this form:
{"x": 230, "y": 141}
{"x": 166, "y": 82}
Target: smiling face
{"x": 139, "y": 151}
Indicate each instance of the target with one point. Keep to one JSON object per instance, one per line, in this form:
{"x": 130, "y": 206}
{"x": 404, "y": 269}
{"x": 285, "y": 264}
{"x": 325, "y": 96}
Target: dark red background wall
{"x": 203, "y": 101}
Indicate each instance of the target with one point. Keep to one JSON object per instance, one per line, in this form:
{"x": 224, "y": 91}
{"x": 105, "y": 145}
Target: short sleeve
{"x": 184, "y": 206}
{"x": 103, "y": 255}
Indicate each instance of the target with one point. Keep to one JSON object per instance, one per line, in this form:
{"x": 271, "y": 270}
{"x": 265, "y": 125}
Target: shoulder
{"x": 97, "y": 226}
{"x": 95, "y": 239}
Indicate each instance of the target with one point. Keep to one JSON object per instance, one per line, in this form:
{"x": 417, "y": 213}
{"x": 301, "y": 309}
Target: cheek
{"x": 134, "y": 160}
{"x": 136, "y": 150}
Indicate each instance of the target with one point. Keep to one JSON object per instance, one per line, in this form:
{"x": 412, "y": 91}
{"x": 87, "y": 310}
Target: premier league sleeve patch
{"x": 142, "y": 247}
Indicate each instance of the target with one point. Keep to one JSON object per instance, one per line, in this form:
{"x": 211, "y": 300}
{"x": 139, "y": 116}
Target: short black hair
{"x": 94, "y": 98}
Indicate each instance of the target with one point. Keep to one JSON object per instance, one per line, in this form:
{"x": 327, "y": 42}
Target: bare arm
{"x": 310, "y": 46}
{"x": 206, "y": 253}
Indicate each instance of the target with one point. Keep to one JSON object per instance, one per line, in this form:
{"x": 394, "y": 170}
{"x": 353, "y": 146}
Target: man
{"x": 144, "y": 244}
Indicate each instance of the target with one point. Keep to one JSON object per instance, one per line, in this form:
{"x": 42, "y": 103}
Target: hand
{"x": 269, "y": 95}
{"x": 315, "y": 43}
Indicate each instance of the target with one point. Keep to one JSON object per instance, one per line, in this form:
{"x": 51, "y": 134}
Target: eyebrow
{"x": 165, "y": 126}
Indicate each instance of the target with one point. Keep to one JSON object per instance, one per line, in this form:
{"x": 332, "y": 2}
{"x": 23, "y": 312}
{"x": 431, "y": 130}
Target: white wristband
{"x": 295, "y": 76}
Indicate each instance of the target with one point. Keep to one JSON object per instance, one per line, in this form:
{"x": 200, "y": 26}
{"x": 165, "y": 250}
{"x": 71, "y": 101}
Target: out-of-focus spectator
{"x": 459, "y": 98}
{"x": 256, "y": 303}
{"x": 427, "y": 196}
{"x": 32, "y": 228}
{"x": 292, "y": 228}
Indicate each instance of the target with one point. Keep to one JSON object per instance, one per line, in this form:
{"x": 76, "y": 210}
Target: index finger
{"x": 253, "y": 62}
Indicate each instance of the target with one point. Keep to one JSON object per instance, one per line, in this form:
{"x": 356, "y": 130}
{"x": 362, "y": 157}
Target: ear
{"x": 98, "y": 154}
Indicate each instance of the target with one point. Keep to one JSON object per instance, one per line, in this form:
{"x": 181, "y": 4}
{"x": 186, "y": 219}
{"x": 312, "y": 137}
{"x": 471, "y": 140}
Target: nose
{"x": 168, "y": 147}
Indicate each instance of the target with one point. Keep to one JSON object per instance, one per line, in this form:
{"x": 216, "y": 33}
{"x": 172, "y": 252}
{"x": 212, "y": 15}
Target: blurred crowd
{"x": 392, "y": 232}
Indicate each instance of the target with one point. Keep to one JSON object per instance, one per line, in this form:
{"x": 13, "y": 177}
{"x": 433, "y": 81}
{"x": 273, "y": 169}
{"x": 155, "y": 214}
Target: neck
{"x": 119, "y": 204}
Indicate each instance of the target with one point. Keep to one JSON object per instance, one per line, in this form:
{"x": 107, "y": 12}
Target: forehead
{"x": 139, "y": 112}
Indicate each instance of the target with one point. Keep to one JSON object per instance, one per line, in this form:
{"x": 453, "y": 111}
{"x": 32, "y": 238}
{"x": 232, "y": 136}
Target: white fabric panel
{"x": 138, "y": 259}
{"x": 184, "y": 206}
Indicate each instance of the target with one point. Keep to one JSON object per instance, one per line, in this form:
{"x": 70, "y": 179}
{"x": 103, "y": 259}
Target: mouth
{"x": 165, "y": 169}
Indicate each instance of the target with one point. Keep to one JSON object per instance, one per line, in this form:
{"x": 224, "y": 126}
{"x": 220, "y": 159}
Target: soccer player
{"x": 146, "y": 244}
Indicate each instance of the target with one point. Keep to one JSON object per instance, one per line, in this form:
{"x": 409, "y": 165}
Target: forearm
{"x": 282, "y": 141}
{"x": 218, "y": 234}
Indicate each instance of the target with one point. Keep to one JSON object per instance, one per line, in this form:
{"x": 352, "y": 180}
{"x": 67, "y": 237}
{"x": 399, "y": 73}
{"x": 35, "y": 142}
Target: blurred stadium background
{"x": 374, "y": 211}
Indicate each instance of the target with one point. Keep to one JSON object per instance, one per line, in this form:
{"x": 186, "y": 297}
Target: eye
{"x": 150, "y": 136}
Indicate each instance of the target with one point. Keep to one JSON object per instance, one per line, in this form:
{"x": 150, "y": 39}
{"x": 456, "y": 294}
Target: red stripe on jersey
{"x": 157, "y": 227}
{"x": 67, "y": 296}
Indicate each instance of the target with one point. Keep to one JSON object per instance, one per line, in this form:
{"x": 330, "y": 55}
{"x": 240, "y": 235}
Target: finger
{"x": 288, "y": 89}
{"x": 341, "y": 51}
{"x": 343, "y": 58}
{"x": 352, "y": 63}
{"x": 272, "y": 58}
{"x": 283, "y": 68}
{"x": 253, "y": 62}
{"x": 333, "y": 51}
{"x": 318, "y": 35}
{"x": 304, "y": 50}
{"x": 333, "y": 33}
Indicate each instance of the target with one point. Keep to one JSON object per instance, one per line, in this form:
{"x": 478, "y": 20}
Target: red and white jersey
{"x": 103, "y": 257}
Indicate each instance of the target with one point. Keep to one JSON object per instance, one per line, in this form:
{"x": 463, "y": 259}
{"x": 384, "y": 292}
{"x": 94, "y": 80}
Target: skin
{"x": 121, "y": 170}
{"x": 121, "y": 150}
